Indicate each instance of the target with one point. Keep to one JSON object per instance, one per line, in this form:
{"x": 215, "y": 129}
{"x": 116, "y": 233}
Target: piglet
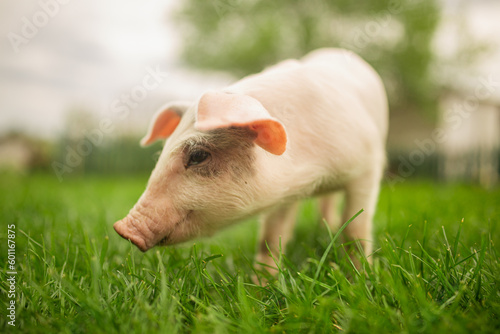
{"x": 310, "y": 127}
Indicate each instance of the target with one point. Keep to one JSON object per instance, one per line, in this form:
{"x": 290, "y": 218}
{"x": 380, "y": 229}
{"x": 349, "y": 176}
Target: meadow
{"x": 435, "y": 267}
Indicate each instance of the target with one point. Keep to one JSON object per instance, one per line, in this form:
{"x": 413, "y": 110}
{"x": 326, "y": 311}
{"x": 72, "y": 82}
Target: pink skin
{"x": 137, "y": 228}
{"x": 175, "y": 206}
{"x": 301, "y": 128}
{"x": 146, "y": 230}
{"x": 154, "y": 220}
{"x": 150, "y": 220}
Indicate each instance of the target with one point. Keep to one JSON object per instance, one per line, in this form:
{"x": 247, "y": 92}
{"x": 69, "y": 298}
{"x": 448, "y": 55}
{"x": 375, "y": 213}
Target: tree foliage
{"x": 244, "y": 36}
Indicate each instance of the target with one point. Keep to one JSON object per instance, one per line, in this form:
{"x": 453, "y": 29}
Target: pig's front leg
{"x": 277, "y": 226}
{"x": 361, "y": 193}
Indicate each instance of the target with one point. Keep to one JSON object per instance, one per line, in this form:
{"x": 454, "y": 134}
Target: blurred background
{"x": 80, "y": 80}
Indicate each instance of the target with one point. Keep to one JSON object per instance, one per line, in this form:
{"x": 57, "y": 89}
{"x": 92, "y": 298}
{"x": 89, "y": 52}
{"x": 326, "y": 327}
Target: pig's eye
{"x": 197, "y": 157}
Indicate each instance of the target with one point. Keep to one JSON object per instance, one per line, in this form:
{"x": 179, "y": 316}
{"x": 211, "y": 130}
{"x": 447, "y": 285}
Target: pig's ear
{"x": 222, "y": 110}
{"x": 165, "y": 121}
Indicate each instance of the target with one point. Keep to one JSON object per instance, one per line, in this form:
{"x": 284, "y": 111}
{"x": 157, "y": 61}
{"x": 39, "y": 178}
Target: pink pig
{"x": 309, "y": 127}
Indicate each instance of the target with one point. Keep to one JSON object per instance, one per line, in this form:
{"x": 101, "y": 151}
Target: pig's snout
{"x": 135, "y": 228}
{"x": 125, "y": 232}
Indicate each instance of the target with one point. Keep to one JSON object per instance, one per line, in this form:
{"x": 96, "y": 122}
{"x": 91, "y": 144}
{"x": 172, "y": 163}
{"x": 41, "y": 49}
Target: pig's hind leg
{"x": 361, "y": 193}
{"x": 328, "y": 206}
{"x": 276, "y": 230}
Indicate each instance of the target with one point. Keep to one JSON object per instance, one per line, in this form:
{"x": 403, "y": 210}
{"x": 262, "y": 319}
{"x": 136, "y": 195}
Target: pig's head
{"x": 206, "y": 176}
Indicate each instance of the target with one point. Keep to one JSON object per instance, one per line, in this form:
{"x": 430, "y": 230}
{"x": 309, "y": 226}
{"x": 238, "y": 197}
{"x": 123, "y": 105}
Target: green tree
{"x": 244, "y": 36}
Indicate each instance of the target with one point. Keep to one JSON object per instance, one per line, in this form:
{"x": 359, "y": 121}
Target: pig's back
{"x": 345, "y": 68}
{"x": 334, "y": 76}
{"x": 331, "y": 106}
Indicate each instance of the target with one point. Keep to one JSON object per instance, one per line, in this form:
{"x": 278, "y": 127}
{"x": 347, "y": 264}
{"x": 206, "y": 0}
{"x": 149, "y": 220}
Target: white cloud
{"x": 87, "y": 53}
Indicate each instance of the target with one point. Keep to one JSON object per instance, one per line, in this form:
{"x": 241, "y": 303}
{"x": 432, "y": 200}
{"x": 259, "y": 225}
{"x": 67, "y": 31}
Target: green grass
{"x": 435, "y": 270}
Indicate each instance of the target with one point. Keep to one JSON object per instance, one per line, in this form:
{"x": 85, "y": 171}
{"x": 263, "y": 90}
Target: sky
{"x": 83, "y": 56}
{"x": 86, "y": 55}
